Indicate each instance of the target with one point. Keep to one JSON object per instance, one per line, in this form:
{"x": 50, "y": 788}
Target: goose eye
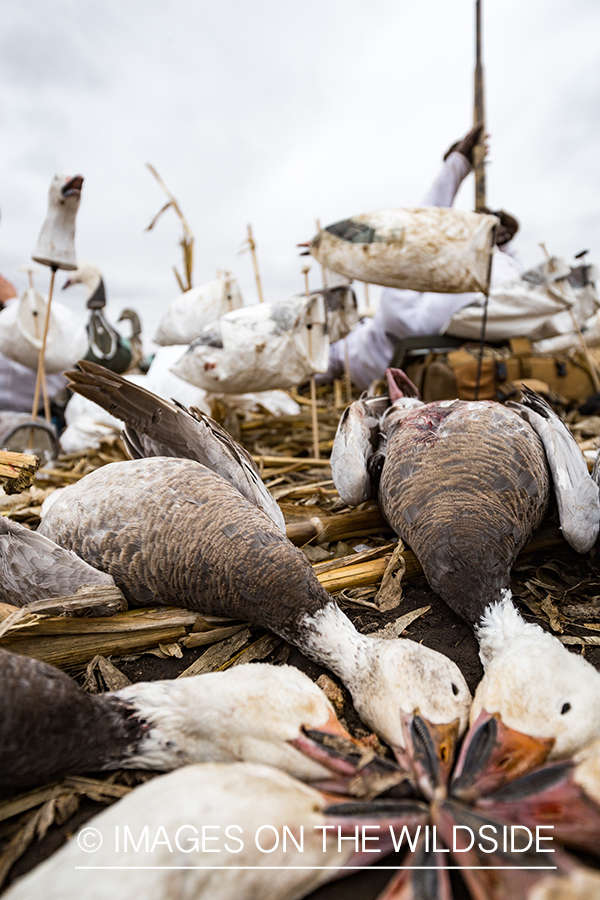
{"x": 454, "y": 689}
{"x": 565, "y": 709}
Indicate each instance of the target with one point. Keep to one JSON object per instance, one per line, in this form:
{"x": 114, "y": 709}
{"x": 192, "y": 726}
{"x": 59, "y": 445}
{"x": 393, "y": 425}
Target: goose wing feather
{"x": 155, "y": 427}
{"x": 32, "y": 567}
{"x": 576, "y": 492}
{"x": 356, "y": 439}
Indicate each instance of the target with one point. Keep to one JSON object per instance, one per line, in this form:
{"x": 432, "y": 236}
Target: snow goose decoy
{"x": 218, "y": 831}
{"x": 106, "y": 345}
{"x": 21, "y": 330}
{"x": 257, "y": 713}
{"x": 55, "y": 245}
{"x": 465, "y": 484}
{"x": 171, "y": 531}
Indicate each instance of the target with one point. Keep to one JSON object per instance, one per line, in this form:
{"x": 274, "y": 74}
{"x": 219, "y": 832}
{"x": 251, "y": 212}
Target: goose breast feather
{"x": 464, "y": 484}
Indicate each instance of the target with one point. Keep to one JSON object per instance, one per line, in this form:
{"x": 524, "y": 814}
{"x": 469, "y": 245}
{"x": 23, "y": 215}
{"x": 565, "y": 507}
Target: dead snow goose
{"x": 273, "y": 714}
{"x": 465, "y": 484}
{"x": 214, "y": 832}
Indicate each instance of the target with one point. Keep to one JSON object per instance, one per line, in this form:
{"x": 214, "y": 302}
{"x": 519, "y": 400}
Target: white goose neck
{"x": 332, "y": 640}
{"x": 500, "y": 625}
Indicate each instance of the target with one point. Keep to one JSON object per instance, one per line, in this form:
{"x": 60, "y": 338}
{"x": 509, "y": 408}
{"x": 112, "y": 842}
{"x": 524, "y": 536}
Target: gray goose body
{"x": 172, "y": 532}
{"x": 465, "y": 485}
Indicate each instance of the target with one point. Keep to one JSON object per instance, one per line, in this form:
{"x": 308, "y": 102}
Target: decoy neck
{"x": 88, "y": 275}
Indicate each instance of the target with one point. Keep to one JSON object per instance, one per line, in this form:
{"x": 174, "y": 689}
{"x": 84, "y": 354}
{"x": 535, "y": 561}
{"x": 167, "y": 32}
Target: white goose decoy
{"x": 259, "y": 347}
{"x": 55, "y": 245}
{"x": 155, "y": 427}
{"x": 215, "y": 832}
{"x": 423, "y": 249}
{"x": 21, "y": 331}
{"x": 465, "y": 484}
{"x": 32, "y": 568}
{"x": 171, "y": 531}
{"x": 255, "y": 712}
{"x": 106, "y": 345}
{"x": 186, "y": 316}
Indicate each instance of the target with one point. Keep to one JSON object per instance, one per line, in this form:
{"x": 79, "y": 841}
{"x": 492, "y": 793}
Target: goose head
{"x": 131, "y": 316}
{"x": 418, "y": 701}
{"x": 255, "y": 713}
{"x": 536, "y": 701}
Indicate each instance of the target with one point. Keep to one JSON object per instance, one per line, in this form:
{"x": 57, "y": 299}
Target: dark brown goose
{"x": 257, "y": 713}
{"x": 465, "y": 484}
{"x": 171, "y": 531}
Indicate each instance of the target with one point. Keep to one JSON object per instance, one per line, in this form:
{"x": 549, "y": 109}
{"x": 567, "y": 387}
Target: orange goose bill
{"x": 493, "y": 755}
{"x": 430, "y": 751}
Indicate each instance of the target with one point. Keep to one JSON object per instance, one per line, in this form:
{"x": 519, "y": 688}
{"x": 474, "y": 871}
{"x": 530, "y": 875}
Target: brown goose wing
{"x": 32, "y": 567}
{"x": 465, "y": 485}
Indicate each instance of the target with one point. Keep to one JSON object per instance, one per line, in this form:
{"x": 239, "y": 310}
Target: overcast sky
{"x": 276, "y": 113}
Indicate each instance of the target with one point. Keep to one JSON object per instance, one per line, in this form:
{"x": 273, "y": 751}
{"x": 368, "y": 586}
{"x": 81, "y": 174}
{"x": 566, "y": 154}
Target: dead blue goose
{"x": 32, "y": 568}
{"x": 171, "y": 531}
{"x": 466, "y": 484}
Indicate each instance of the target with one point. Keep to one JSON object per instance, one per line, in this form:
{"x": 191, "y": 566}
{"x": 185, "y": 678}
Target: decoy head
{"x": 85, "y": 273}
{"x": 131, "y": 316}
{"x": 55, "y": 245}
{"x": 536, "y": 701}
{"x": 418, "y": 701}
{"x": 65, "y": 189}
